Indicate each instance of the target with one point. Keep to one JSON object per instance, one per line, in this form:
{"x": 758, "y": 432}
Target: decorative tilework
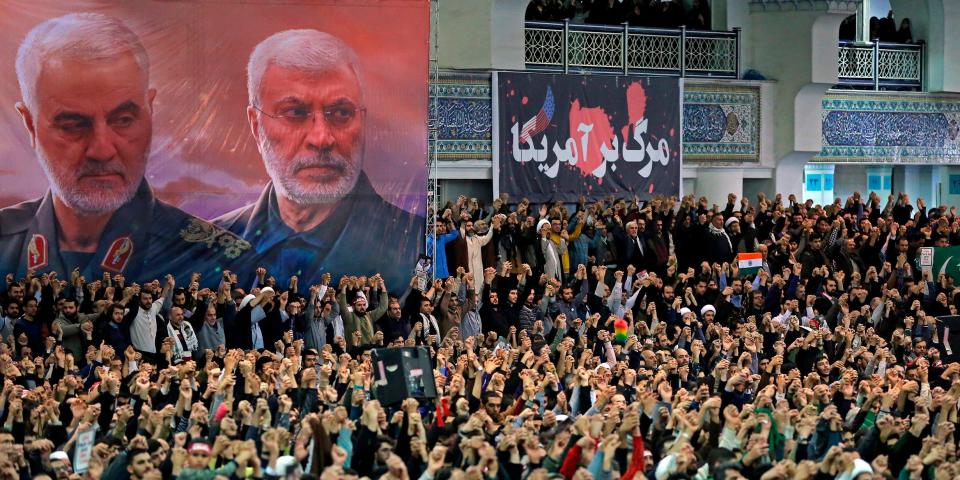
{"x": 464, "y": 119}
{"x": 721, "y": 123}
{"x": 881, "y": 128}
{"x": 703, "y": 123}
{"x": 464, "y": 116}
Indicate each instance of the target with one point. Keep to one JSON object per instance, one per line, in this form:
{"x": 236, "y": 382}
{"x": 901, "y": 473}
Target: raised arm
{"x": 384, "y": 299}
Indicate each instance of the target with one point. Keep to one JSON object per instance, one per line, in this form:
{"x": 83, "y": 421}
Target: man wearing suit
{"x": 319, "y": 213}
{"x": 632, "y": 244}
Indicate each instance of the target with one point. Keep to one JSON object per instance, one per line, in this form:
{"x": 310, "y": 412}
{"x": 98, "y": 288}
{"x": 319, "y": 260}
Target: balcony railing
{"x": 881, "y": 65}
{"x": 566, "y": 47}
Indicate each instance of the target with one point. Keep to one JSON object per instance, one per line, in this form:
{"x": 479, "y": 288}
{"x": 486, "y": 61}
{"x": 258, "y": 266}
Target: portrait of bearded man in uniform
{"x": 87, "y": 107}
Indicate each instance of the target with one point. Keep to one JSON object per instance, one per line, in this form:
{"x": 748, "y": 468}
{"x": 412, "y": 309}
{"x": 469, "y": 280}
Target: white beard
{"x": 286, "y": 183}
{"x": 99, "y": 201}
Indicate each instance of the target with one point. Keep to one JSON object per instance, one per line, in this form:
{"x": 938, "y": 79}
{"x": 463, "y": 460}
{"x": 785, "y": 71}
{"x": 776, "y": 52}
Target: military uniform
{"x": 144, "y": 240}
{"x": 363, "y": 236}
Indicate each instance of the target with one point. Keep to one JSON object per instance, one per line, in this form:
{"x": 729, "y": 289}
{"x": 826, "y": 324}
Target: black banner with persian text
{"x": 565, "y": 136}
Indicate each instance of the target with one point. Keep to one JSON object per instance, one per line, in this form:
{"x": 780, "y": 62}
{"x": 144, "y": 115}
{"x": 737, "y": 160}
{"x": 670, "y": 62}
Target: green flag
{"x": 945, "y": 260}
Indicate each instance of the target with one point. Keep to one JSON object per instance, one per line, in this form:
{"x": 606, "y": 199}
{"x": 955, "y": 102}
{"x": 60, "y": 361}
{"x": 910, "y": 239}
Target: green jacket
{"x": 362, "y": 323}
{"x": 71, "y": 335}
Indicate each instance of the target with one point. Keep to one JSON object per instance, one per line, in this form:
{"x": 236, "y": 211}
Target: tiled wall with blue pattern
{"x": 890, "y": 128}
{"x": 463, "y": 116}
{"x": 721, "y": 123}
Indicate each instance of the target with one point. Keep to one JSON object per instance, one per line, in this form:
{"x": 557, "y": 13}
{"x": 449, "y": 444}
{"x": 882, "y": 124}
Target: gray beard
{"x": 286, "y": 184}
{"x": 101, "y": 201}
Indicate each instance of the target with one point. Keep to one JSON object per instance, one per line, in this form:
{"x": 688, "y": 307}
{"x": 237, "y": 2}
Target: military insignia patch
{"x": 37, "y": 253}
{"x": 199, "y": 231}
{"x": 117, "y": 256}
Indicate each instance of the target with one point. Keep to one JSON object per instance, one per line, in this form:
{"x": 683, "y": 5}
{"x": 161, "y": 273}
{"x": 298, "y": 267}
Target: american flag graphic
{"x": 540, "y": 122}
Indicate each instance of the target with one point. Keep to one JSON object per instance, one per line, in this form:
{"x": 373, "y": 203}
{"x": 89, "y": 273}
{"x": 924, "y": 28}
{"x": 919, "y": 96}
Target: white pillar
{"x": 863, "y": 22}
{"x": 789, "y": 178}
{"x": 716, "y": 183}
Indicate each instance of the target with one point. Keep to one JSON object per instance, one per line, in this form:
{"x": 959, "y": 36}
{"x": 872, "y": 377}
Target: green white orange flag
{"x": 749, "y": 263}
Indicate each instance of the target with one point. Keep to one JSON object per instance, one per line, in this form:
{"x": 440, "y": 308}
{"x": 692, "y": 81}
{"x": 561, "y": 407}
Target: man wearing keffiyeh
{"x": 184, "y": 339}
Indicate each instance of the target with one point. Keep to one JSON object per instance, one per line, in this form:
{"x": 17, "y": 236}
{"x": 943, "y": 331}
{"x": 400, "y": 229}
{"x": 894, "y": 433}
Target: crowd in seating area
{"x": 882, "y": 29}
{"x": 638, "y": 13}
{"x": 611, "y": 339}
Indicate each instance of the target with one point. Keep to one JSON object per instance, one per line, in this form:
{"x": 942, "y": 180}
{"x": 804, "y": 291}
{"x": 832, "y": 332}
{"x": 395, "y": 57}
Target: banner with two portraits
{"x": 171, "y": 137}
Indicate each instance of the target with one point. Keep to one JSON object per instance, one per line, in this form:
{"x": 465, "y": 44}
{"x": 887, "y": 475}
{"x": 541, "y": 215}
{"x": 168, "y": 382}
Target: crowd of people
{"x": 615, "y": 338}
{"x": 882, "y": 29}
{"x": 638, "y": 13}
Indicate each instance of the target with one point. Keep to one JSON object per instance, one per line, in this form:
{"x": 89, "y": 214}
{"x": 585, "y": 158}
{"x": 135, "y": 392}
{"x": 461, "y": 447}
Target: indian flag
{"x": 749, "y": 263}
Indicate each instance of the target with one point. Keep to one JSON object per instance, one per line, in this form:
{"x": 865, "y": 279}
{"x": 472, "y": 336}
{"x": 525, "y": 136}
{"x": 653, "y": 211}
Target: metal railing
{"x": 566, "y": 47}
{"x": 881, "y": 65}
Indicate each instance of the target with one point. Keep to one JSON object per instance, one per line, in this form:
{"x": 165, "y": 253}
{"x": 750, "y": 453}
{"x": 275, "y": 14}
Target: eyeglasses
{"x": 338, "y": 115}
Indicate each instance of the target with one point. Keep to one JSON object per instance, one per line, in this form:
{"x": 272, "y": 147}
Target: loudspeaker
{"x": 402, "y": 372}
